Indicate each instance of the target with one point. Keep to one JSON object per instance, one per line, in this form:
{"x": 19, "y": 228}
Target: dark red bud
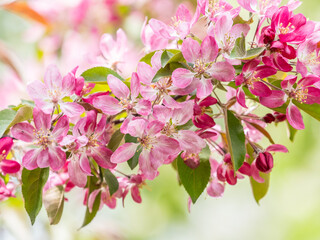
{"x": 269, "y": 118}
{"x": 280, "y": 117}
{"x": 264, "y": 162}
{"x": 268, "y": 35}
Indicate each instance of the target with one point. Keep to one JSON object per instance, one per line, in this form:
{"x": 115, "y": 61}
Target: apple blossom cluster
{"x": 190, "y": 103}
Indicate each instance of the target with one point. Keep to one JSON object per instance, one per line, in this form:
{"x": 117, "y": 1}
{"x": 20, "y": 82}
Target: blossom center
{"x": 300, "y": 95}
{"x": 43, "y": 138}
{"x": 3, "y": 155}
{"x": 169, "y": 129}
{"x": 126, "y": 104}
{"x": 285, "y": 30}
{"x": 55, "y": 95}
{"x": 147, "y": 142}
{"x": 200, "y": 66}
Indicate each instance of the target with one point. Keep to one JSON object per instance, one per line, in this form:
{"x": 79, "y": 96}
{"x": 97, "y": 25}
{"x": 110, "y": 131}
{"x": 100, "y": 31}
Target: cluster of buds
{"x": 169, "y": 110}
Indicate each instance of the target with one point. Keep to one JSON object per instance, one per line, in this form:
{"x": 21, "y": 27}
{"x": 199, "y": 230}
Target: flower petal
{"x": 294, "y": 117}
{"x": 118, "y": 88}
{"x": 24, "y": 132}
{"x": 108, "y": 105}
{"x": 124, "y": 153}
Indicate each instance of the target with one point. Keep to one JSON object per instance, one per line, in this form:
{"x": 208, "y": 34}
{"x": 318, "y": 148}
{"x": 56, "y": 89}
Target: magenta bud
{"x": 268, "y": 35}
{"x": 264, "y": 162}
{"x": 280, "y": 117}
{"x": 9, "y": 166}
{"x": 269, "y": 118}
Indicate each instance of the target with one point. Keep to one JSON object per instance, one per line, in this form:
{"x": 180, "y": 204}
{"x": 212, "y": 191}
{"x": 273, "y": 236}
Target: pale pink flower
{"x": 49, "y": 95}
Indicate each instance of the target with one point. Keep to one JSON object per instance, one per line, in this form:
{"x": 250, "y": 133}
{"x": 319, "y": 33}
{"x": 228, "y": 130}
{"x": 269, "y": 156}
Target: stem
{"x": 270, "y": 85}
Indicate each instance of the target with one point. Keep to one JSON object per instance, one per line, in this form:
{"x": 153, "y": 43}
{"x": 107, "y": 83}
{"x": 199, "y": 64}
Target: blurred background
{"x": 67, "y": 33}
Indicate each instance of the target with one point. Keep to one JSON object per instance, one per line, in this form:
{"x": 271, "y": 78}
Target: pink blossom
{"x": 204, "y": 68}
{"x": 252, "y": 76}
{"x": 155, "y": 147}
{"x": 180, "y": 26}
{"x": 127, "y": 99}
{"x": 7, "y": 166}
{"x": 6, "y": 191}
{"x": 291, "y": 28}
{"x": 49, "y": 95}
{"x": 214, "y": 8}
{"x": 261, "y": 7}
{"x": 172, "y": 118}
{"x": 200, "y": 118}
{"x": 87, "y": 142}
{"x": 47, "y": 152}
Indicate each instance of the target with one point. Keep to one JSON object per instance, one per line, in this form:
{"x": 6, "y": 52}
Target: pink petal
{"x": 145, "y": 165}
{"x": 6, "y": 144}
{"x": 135, "y": 194}
{"x": 166, "y": 146}
{"x": 209, "y": 49}
{"x": 223, "y": 26}
{"x": 145, "y": 73}
{"x": 9, "y": 166}
{"x": 118, "y": 88}
{"x": 29, "y": 160}
{"x": 68, "y": 84}
{"x": 135, "y": 86}
{"x": 182, "y": 115}
{"x": 137, "y": 126}
{"x": 52, "y": 77}
{"x": 71, "y": 109}
{"x": 102, "y": 157}
{"x": 255, "y": 173}
{"x": 108, "y": 105}
{"x": 41, "y": 120}
{"x": 148, "y": 93}
{"x": 43, "y": 158}
{"x": 92, "y": 198}
{"x": 204, "y": 88}
{"x": 57, "y": 158}
{"x": 294, "y": 117}
{"x": 77, "y": 176}
{"x": 277, "y": 148}
{"x": 124, "y": 153}
{"x": 276, "y": 99}
{"x": 215, "y": 188}
{"x": 190, "y": 50}
{"x": 84, "y": 164}
{"x": 222, "y": 71}
{"x": 37, "y": 90}
{"x": 162, "y": 113}
{"x": 154, "y": 127}
{"x": 190, "y": 141}
{"x": 260, "y": 89}
{"x": 143, "y": 107}
{"x": 182, "y": 77}
{"x": 24, "y": 132}
{"x": 241, "y": 97}
{"x": 61, "y": 129}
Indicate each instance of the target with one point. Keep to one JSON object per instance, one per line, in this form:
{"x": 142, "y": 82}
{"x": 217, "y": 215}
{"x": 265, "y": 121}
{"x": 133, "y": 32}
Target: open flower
{"x": 87, "y": 141}
{"x": 155, "y": 147}
{"x": 50, "y": 94}
{"x": 47, "y": 152}
{"x": 204, "y": 69}
{"x": 128, "y": 100}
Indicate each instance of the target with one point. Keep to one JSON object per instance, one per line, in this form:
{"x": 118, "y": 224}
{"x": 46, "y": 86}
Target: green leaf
{"x": 24, "y": 113}
{"x": 99, "y": 75}
{"x": 167, "y": 70}
{"x": 32, "y": 185}
{"x": 115, "y": 140}
{"x": 185, "y": 126}
{"x": 312, "y": 109}
{"x": 147, "y": 58}
{"x": 133, "y": 162}
{"x": 128, "y": 138}
{"x": 205, "y": 153}
{"x": 165, "y": 57}
{"x": 235, "y": 138}
{"x": 240, "y": 20}
{"x": 259, "y": 190}
{"x": 292, "y": 131}
{"x": 194, "y": 180}
{"x": 53, "y": 200}
{"x": 253, "y": 53}
{"x": 170, "y": 56}
{"x": 111, "y": 180}
{"x": 239, "y": 49}
{"x": 6, "y": 118}
{"x": 92, "y": 184}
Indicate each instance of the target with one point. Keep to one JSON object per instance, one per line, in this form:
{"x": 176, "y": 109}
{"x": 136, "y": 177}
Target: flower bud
{"x": 269, "y": 118}
{"x": 264, "y": 162}
{"x": 268, "y": 35}
{"x": 280, "y": 117}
